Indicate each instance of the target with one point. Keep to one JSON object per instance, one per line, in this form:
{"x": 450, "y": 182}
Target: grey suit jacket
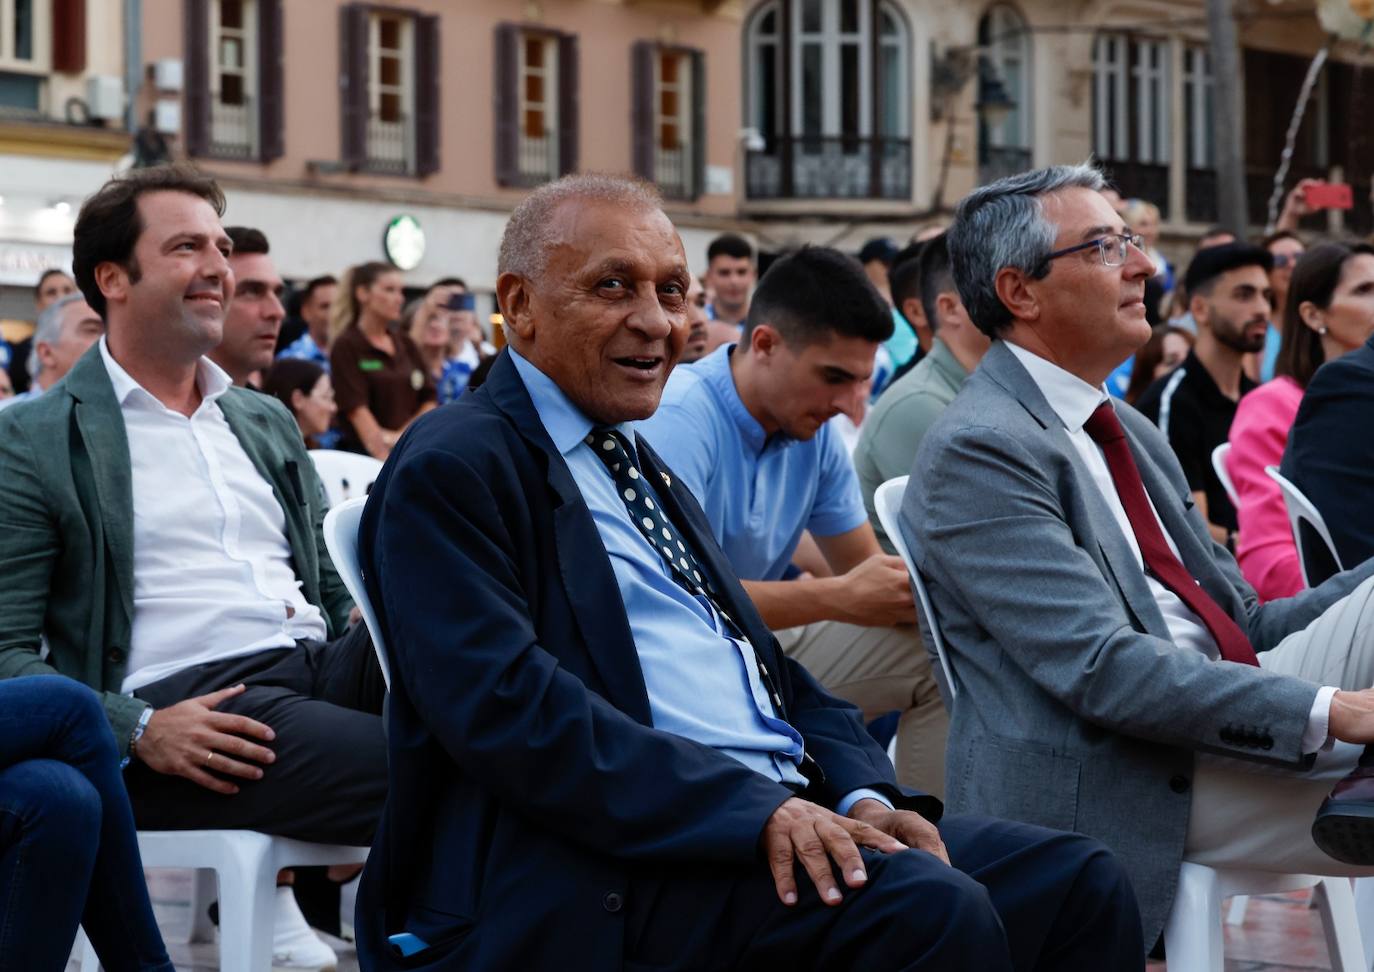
{"x": 1076, "y": 710}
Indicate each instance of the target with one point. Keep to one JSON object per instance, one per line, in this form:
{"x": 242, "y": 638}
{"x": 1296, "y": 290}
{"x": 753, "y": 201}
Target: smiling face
{"x": 607, "y": 317}
{"x": 1083, "y": 315}
{"x": 254, "y": 319}
{"x": 178, "y": 284}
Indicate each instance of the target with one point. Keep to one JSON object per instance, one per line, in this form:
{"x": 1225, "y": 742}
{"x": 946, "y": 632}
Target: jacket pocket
{"x": 1022, "y": 781}
{"x": 441, "y": 931}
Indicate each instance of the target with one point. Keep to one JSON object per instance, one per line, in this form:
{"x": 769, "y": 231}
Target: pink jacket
{"x": 1265, "y": 549}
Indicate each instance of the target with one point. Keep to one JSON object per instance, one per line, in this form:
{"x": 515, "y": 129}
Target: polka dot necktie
{"x": 612, "y": 449}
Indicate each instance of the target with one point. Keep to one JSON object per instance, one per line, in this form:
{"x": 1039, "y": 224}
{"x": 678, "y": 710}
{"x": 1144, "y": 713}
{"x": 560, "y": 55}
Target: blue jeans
{"x": 68, "y": 848}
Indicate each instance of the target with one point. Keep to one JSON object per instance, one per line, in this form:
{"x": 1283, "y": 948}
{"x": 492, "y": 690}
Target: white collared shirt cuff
{"x": 1317, "y": 735}
{"x": 854, "y": 796}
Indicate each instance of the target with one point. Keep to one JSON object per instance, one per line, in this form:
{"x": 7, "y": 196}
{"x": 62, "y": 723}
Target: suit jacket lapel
{"x": 101, "y": 424}
{"x": 588, "y": 580}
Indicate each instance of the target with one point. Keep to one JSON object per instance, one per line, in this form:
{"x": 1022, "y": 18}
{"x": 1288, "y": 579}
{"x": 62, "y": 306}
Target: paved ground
{"x": 1280, "y": 934}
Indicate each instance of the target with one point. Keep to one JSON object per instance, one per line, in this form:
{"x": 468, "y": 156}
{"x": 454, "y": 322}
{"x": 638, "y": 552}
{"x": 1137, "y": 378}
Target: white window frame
{"x": 247, "y": 71}
{"x": 1009, "y": 52}
{"x": 549, "y": 105}
{"x": 900, "y": 43}
{"x": 759, "y": 40}
{"x": 1122, "y": 58}
{"x": 1153, "y": 97}
{"x": 683, "y": 118}
{"x": 830, "y": 39}
{"x": 1110, "y": 60}
{"x": 405, "y": 89}
{"x": 41, "y": 62}
{"x": 1198, "y": 92}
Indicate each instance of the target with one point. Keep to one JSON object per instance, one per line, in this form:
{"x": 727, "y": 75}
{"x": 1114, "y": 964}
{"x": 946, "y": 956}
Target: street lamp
{"x": 950, "y": 73}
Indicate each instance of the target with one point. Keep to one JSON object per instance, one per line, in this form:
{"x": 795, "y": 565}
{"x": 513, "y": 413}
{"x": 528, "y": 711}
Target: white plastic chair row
{"x": 1193, "y": 935}
{"x": 1219, "y": 455}
{"x": 1300, "y": 511}
{"x": 245, "y": 863}
{"x": 346, "y": 475}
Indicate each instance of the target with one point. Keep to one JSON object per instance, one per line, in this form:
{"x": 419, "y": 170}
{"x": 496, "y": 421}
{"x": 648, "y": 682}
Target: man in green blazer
{"x": 160, "y": 541}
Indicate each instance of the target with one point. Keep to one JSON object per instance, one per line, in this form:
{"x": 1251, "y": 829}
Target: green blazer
{"x": 66, "y": 529}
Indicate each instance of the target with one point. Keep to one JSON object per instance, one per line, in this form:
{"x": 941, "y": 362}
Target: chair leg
{"x": 84, "y": 953}
{"x": 1192, "y": 933}
{"x": 247, "y": 896}
{"x": 203, "y": 891}
{"x": 1337, "y": 904}
{"x": 1235, "y": 915}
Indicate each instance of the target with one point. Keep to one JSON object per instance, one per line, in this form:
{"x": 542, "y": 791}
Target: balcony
{"x": 389, "y": 145}
{"x": 232, "y": 129}
{"x": 825, "y": 167}
{"x": 673, "y": 171}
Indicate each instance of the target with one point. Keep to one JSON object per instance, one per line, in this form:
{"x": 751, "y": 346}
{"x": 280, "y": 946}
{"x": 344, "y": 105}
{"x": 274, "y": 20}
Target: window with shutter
{"x": 535, "y": 102}
{"x": 69, "y": 36}
{"x": 196, "y": 18}
{"x": 668, "y": 122}
{"x": 233, "y": 79}
{"x": 506, "y": 104}
{"x": 271, "y": 81}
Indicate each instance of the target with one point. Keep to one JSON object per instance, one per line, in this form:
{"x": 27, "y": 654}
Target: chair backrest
{"x": 345, "y": 474}
{"x": 341, "y": 540}
{"x": 1306, "y": 521}
{"x": 887, "y": 501}
{"x": 1219, "y": 455}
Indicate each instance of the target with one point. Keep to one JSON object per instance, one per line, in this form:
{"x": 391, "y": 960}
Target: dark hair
{"x": 1315, "y": 278}
{"x": 1216, "y": 229}
{"x": 247, "y": 240}
{"x": 731, "y": 245}
{"x": 448, "y": 282}
{"x": 43, "y": 278}
{"x": 904, "y": 277}
{"x": 1147, "y": 359}
{"x": 109, "y": 224}
{"x": 1277, "y": 235}
{"x": 1211, "y": 263}
{"x": 317, "y": 282}
{"x": 812, "y": 293}
{"x": 936, "y": 278}
{"x": 289, "y": 375}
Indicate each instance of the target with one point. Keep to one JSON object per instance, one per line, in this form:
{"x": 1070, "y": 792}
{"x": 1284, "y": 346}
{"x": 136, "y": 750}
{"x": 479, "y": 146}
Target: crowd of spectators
{"x": 161, "y": 544}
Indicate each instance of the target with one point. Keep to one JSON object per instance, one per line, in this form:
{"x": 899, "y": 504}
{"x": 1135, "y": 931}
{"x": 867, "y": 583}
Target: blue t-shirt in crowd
{"x": 304, "y": 347}
{"x": 1272, "y": 339}
{"x": 758, "y": 491}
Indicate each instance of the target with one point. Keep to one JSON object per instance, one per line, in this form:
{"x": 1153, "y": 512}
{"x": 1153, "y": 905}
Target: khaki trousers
{"x": 879, "y": 670}
{"x": 1260, "y": 817}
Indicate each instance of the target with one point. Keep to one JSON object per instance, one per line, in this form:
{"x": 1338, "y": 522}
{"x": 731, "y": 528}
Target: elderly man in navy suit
{"x": 599, "y": 757}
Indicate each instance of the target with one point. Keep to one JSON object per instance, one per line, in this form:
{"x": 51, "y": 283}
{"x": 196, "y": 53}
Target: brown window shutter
{"x": 426, "y": 94}
{"x": 196, "y": 14}
{"x": 69, "y": 36}
{"x": 506, "y": 104}
{"x": 642, "y": 135}
{"x": 353, "y": 84}
{"x": 698, "y": 123}
{"x": 568, "y": 123}
{"x": 271, "y": 83}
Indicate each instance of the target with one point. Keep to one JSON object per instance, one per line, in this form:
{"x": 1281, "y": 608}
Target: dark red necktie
{"x": 1105, "y": 429}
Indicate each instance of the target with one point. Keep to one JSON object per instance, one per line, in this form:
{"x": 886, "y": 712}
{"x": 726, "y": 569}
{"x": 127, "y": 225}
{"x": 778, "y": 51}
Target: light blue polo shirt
{"x": 759, "y": 492}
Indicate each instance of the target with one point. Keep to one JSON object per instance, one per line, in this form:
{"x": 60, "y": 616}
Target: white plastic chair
{"x": 887, "y": 501}
{"x": 246, "y": 865}
{"x": 1219, "y": 455}
{"x": 1193, "y": 932}
{"x": 1300, "y": 511}
{"x": 345, "y": 474}
{"x": 341, "y": 540}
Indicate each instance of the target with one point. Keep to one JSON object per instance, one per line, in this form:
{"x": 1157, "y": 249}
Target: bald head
{"x": 534, "y": 229}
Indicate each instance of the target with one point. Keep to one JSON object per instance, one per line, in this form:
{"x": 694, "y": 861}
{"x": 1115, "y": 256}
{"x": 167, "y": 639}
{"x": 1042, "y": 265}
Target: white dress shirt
{"x": 213, "y": 576}
{"x": 1074, "y": 401}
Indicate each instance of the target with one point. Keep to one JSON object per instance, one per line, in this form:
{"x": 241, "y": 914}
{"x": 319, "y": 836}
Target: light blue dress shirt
{"x": 759, "y": 492}
{"x": 702, "y": 683}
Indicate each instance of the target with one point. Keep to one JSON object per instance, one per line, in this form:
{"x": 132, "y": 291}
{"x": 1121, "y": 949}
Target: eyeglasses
{"x": 1113, "y": 249}
{"x": 1282, "y": 260}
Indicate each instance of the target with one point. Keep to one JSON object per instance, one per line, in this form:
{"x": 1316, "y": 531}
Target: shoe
{"x": 295, "y": 946}
{"x": 1344, "y": 825}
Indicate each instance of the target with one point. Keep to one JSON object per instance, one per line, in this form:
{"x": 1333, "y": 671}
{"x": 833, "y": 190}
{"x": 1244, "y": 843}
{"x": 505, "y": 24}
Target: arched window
{"x": 1005, "y": 148}
{"x": 829, "y": 92}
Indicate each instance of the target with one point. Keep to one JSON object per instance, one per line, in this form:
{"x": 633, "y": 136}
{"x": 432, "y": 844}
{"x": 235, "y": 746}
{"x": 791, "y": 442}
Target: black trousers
{"x": 328, "y": 783}
{"x": 1017, "y": 897}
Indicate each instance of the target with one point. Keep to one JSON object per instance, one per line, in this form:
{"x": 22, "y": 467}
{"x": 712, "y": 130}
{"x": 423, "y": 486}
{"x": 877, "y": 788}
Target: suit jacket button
{"x": 612, "y": 902}
{"x": 1179, "y": 784}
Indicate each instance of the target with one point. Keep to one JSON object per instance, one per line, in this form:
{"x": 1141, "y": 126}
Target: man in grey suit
{"x": 1117, "y": 676}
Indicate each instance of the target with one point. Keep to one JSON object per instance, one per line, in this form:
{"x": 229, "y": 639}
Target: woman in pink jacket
{"x": 1329, "y": 311}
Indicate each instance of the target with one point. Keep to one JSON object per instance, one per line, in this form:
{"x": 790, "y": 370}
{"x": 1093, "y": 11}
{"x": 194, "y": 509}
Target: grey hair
{"x": 49, "y": 328}
{"x": 1003, "y": 225}
{"x": 529, "y": 234}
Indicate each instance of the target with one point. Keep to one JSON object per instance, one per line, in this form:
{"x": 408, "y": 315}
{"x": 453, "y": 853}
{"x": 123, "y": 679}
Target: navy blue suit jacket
{"x": 1330, "y": 453}
{"x": 528, "y": 788}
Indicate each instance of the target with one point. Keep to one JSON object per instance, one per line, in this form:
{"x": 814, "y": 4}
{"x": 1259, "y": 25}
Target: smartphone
{"x": 459, "y": 302}
{"x": 1329, "y": 195}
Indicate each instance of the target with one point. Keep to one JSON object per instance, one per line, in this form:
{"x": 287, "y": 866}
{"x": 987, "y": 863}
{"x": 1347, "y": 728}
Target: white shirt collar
{"x": 212, "y": 380}
{"x": 1072, "y": 398}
